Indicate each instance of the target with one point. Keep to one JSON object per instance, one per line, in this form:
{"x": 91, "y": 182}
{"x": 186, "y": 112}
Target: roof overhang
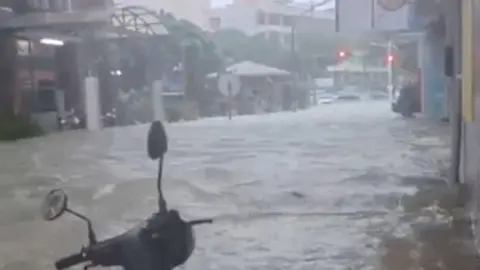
{"x": 47, "y": 20}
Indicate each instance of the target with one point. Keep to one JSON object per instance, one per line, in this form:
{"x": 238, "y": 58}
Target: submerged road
{"x": 325, "y": 188}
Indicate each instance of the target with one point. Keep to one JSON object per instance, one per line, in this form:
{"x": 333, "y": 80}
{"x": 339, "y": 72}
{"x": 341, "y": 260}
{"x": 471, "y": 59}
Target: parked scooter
{"x": 72, "y": 120}
{"x": 109, "y": 119}
{"x": 162, "y": 242}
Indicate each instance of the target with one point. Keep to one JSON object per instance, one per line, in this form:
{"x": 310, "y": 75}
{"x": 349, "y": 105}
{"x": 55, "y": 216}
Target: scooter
{"x": 109, "y": 119}
{"x": 72, "y": 120}
{"x": 162, "y": 242}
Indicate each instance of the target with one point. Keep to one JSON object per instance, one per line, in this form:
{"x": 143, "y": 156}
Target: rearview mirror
{"x": 157, "y": 144}
{"x": 54, "y": 204}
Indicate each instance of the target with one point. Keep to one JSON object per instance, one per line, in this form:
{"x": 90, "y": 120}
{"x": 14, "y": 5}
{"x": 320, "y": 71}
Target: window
{"x": 39, "y": 4}
{"x": 274, "y": 37}
{"x": 88, "y": 4}
{"x": 288, "y": 20}
{"x": 42, "y": 50}
{"x": 215, "y": 23}
{"x": 60, "y": 5}
{"x": 23, "y": 47}
{"x": 285, "y": 41}
{"x": 44, "y": 4}
{"x": 261, "y": 18}
{"x": 274, "y": 19}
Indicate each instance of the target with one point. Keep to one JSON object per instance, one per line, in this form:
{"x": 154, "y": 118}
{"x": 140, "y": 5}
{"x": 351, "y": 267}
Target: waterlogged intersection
{"x": 316, "y": 189}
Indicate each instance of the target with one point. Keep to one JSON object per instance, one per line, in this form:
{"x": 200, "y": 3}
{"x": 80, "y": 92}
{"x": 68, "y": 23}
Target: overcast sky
{"x": 217, "y": 3}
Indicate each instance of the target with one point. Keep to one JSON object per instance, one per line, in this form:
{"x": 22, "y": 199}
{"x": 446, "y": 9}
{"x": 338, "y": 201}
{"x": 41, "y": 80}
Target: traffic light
{"x": 342, "y": 54}
{"x": 390, "y": 58}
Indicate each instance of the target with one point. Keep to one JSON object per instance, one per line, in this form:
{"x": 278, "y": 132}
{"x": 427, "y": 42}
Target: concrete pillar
{"x": 420, "y": 53}
{"x": 157, "y": 99}
{"x": 433, "y": 79}
{"x": 92, "y": 104}
{"x": 454, "y": 39}
{"x": 60, "y": 101}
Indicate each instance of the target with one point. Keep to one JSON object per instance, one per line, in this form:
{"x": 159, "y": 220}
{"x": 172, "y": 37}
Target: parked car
{"x": 323, "y": 96}
{"x": 350, "y": 93}
{"x": 378, "y": 95}
{"x": 326, "y": 98}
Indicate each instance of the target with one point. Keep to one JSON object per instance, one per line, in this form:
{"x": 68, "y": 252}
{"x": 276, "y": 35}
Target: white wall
{"x": 242, "y": 15}
{"x": 196, "y": 11}
{"x": 355, "y": 17}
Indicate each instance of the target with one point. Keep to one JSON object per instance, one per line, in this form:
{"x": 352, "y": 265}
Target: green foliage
{"x": 18, "y": 127}
{"x": 237, "y": 46}
{"x": 183, "y": 35}
{"x": 313, "y": 51}
{"x": 191, "y": 48}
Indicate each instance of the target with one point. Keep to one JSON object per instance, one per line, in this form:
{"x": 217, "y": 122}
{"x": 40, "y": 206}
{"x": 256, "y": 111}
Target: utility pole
{"x": 452, "y": 11}
{"x": 311, "y": 11}
{"x": 372, "y": 14}
{"x": 390, "y": 70}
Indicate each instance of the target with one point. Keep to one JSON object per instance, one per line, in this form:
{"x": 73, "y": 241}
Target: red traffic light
{"x": 390, "y": 58}
{"x": 342, "y": 54}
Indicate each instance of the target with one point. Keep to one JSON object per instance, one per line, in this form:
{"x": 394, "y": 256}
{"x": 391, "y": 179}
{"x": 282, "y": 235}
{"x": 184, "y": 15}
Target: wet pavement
{"x": 341, "y": 186}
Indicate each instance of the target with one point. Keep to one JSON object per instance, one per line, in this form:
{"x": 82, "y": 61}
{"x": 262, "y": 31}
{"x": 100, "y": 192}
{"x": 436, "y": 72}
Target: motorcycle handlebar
{"x": 200, "y": 221}
{"x": 96, "y": 250}
{"x": 70, "y": 261}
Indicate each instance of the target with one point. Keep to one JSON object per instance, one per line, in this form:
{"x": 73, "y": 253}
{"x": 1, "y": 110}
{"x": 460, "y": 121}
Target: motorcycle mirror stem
{"x": 157, "y": 146}
{"x": 92, "y": 238}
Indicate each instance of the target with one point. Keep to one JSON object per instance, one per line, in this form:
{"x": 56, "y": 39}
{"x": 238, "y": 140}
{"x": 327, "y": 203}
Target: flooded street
{"x": 328, "y": 188}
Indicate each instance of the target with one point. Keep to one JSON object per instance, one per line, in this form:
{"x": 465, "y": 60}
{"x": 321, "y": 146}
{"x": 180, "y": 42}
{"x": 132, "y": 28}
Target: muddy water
{"x": 316, "y": 189}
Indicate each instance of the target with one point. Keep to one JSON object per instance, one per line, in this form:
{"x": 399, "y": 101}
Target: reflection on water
{"x": 439, "y": 235}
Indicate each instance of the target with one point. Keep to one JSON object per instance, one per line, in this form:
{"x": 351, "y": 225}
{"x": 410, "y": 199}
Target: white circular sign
{"x": 391, "y": 5}
{"x": 229, "y": 85}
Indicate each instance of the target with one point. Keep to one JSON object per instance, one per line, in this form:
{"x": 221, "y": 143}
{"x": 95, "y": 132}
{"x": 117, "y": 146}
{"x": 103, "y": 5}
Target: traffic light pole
{"x": 372, "y": 14}
{"x": 390, "y": 71}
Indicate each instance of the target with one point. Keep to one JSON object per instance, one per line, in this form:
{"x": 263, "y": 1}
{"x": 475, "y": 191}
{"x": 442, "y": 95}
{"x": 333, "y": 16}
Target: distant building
{"x": 41, "y": 59}
{"x": 197, "y": 11}
{"x": 356, "y": 17}
{"x": 271, "y": 18}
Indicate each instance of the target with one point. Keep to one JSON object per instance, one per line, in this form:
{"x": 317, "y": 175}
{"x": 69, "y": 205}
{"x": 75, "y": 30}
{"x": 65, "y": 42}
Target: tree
{"x": 191, "y": 48}
{"x": 237, "y": 46}
{"x": 313, "y": 52}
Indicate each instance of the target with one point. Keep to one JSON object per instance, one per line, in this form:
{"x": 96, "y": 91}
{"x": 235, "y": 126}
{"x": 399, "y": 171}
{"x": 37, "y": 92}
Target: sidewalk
{"x": 434, "y": 231}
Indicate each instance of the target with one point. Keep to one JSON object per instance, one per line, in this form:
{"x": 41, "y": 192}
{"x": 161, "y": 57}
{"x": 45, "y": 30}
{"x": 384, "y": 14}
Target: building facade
{"x": 271, "y": 18}
{"x": 197, "y": 12}
{"x": 37, "y": 64}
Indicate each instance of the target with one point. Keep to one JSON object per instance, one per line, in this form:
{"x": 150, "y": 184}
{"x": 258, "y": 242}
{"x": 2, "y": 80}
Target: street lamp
{"x": 52, "y": 42}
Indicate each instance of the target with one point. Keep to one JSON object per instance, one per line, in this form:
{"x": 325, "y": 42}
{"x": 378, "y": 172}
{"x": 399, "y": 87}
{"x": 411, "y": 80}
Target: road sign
{"x": 392, "y": 5}
{"x": 229, "y": 85}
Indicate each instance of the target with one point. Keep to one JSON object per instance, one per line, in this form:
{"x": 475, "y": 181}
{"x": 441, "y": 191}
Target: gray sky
{"x": 217, "y": 3}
